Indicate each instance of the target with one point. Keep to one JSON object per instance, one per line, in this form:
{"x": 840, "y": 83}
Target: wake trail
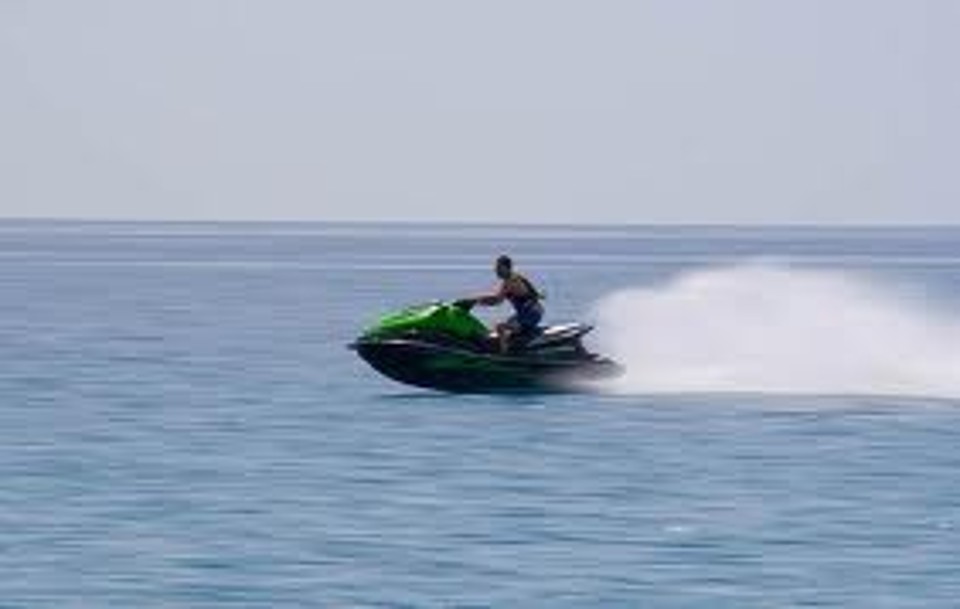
{"x": 774, "y": 329}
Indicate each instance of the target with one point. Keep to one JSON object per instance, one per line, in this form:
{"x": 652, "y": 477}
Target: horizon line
{"x": 477, "y": 223}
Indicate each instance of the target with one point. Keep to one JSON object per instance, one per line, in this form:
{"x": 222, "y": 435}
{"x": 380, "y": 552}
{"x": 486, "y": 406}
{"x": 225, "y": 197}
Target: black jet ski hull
{"x": 450, "y": 368}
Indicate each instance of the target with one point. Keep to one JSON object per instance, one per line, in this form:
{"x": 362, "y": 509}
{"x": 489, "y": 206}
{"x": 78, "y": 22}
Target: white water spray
{"x": 773, "y": 329}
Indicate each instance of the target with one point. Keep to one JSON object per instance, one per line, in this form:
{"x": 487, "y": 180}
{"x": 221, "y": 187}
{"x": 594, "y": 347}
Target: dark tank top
{"x": 527, "y": 302}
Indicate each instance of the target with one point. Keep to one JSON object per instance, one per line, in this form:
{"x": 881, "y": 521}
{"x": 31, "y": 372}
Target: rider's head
{"x": 504, "y": 267}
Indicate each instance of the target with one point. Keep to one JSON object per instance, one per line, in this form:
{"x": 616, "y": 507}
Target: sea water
{"x": 181, "y": 424}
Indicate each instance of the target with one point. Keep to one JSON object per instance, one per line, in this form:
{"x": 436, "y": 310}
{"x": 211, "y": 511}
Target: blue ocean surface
{"x": 181, "y": 424}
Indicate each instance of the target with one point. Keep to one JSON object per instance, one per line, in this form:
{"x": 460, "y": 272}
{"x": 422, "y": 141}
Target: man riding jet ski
{"x": 443, "y": 346}
{"x": 525, "y": 298}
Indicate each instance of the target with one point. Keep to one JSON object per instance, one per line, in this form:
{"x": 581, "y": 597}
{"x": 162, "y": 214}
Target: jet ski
{"x": 444, "y": 346}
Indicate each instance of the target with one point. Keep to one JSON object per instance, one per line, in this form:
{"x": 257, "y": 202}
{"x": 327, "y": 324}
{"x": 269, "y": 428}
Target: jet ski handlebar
{"x": 465, "y": 303}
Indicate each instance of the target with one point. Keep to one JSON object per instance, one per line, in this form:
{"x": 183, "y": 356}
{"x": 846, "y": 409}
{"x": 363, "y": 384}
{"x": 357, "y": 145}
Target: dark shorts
{"x": 526, "y": 319}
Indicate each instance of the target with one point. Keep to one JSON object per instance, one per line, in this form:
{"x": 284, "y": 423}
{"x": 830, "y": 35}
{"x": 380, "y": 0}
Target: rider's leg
{"x": 505, "y": 332}
{"x": 503, "y": 337}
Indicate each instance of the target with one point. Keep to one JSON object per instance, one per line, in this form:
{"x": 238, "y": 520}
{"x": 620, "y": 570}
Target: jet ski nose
{"x": 360, "y": 342}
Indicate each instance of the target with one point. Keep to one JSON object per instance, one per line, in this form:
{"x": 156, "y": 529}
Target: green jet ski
{"x": 443, "y": 346}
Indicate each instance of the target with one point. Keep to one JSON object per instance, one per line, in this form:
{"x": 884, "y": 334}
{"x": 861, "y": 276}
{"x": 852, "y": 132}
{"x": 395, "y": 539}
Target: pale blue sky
{"x": 733, "y": 111}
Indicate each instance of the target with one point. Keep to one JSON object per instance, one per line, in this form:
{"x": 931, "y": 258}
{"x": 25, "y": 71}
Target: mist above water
{"x": 775, "y": 329}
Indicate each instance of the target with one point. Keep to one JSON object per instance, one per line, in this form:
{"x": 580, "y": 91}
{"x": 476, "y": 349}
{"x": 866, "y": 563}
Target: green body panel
{"x": 437, "y": 317}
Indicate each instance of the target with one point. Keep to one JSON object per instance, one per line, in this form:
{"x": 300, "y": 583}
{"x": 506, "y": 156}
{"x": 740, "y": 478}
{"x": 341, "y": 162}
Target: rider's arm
{"x": 493, "y": 299}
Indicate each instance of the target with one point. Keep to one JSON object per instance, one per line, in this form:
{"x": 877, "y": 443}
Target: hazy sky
{"x": 515, "y": 110}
